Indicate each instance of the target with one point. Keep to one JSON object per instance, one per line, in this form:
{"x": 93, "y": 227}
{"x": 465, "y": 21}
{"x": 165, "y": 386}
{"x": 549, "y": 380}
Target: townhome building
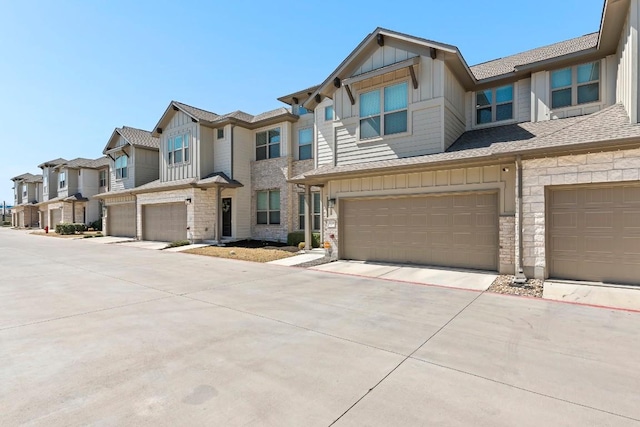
{"x": 68, "y": 186}
{"x": 526, "y": 165}
{"x": 27, "y": 189}
{"x": 224, "y": 177}
{"x": 133, "y": 162}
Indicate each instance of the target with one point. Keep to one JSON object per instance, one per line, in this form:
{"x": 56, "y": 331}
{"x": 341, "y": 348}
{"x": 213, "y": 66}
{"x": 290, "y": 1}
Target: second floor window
{"x": 268, "y": 207}
{"x": 220, "y": 133}
{"x": 383, "y": 111}
{"x": 24, "y": 190}
{"x": 178, "y": 149}
{"x": 494, "y": 105}
{"x": 328, "y": 113}
{"x": 315, "y": 211}
{"x": 305, "y": 144}
{"x": 62, "y": 179}
{"x": 575, "y": 85}
{"x": 121, "y": 167}
{"x": 268, "y": 144}
{"x": 103, "y": 179}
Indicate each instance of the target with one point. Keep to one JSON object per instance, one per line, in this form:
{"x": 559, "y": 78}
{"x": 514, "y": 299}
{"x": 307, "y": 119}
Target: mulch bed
{"x": 263, "y": 244}
{"x": 504, "y": 285}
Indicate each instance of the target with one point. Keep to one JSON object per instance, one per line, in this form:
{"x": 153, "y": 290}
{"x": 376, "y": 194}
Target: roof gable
{"x": 196, "y": 115}
{"x": 132, "y": 136}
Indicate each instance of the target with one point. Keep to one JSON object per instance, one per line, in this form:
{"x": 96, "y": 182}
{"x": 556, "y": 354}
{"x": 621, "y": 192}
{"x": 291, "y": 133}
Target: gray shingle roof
{"x": 610, "y": 124}
{"x": 54, "y": 162}
{"x": 138, "y": 137}
{"x": 506, "y": 65}
{"x": 81, "y": 162}
{"x": 24, "y": 176}
{"x": 34, "y": 178}
{"x": 198, "y": 113}
{"x": 219, "y": 178}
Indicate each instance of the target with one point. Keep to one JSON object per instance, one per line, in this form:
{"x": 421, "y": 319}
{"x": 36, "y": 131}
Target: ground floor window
{"x": 315, "y": 211}
{"x": 268, "y": 207}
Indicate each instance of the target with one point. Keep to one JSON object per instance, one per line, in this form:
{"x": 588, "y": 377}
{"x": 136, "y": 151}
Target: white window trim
{"x": 266, "y": 130}
{"x": 515, "y": 118}
{"x": 186, "y": 136}
{"x": 62, "y": 183}
{"x": 269, "y": 210}
{"x": 117, "y": 169}
{"x": 100, "y": 179}
{"x": 574, "y": 86}
{"x": 312, "y": 143}
{"x": 381, "y": 87}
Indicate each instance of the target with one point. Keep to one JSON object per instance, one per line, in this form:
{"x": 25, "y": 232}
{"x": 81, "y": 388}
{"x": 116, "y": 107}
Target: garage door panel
{"x": 121, "y": 220}
{"x": 447, "y": 230}
{"x": 598, "y": 237}
{"x": 164, "y": 222}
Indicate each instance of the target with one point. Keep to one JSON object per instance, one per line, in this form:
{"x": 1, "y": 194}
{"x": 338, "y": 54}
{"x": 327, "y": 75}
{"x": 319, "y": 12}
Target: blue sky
{"x": 71, "y": 71}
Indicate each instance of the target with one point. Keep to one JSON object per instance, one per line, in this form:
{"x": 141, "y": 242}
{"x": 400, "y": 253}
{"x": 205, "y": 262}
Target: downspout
{"x": 519, "y": 278}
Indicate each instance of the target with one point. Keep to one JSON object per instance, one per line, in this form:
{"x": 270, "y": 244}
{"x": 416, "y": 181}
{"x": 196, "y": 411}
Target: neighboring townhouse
{"x": 223, "y": 177}
{"x": 27, "y": 190}
{"x": 49, "y": 188}
{"x": 70, "y": 184}
{"x": 133, "y": 161}
{"x": 525, "y": 164}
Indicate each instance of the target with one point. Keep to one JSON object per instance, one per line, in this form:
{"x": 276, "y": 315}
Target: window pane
{"x": 316, "y": 202}
{"x": 561, "y": 98}
{"x": 483, "y": 115}
{"x": 274, "y": 136}
{"x": 261, "y": 139}
{"x": 274, "y": 200}
{"x": 274, "y": 151}
{"x": 220, "y": 133}
{"x": 301, "y": 222}
{"x": 124, "y": 172}
{"x": 588, "y": 72}
{"x": 262, "y": 201}
{"x": 305, "y": 136}
{"x": 301, "y": 204}
{"x": 261, "y": 153}
{"x": 302, "y": 110}
{"x": 561, "y": 78}
{"x": 588, "y": 93}
{"x": 305, "y": 152}
{"x": 370, "y": 103}
{"x": 124, "y": 161}
{"x": 504, "y": 112}
{"x": 483, "y": 98}
{"x": 274, "y": 217}
{"x": 262, "y": 217}
{"x": 328, "y": 113}
{"x": 370, "y": 128}
{"x": 170, "y": 144}
{"x": 316, "y": 222}
{"x": 395, "y": 122}
{"x": 186, "y": 154}
{"x": 177, "y": 142}
{"x": 186, "y": 140}
{"x": 504, "y": 94}
{"x": 395, "y": 97}
{"x": 177, "y": 156}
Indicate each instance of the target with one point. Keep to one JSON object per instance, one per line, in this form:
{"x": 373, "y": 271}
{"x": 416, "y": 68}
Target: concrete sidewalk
{"x": 627, "y": 298}
{"x": 300, "y": 258}
{"x": 452, "y": 278}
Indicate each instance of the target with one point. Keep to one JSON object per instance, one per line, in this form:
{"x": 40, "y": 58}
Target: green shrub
{"x": 67, "y": 228}
{"x": 96, "y": 225}
{"x": 6, "y": 223}
{"x": 178, "y": 243}
{"x": 294, "y": 238}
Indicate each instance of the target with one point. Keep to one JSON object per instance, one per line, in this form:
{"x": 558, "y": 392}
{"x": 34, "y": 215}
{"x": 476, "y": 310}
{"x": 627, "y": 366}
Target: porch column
{"x": 218, "y": 214}
{"x": 307, "y": 217}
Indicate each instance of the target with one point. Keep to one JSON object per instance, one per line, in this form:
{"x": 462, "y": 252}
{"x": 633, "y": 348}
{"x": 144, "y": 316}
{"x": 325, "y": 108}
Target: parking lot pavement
{"x": 112, "y": 334}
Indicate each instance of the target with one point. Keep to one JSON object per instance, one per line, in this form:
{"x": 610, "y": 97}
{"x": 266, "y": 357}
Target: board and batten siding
{"x": 324, "y": 135}
{"x": 222, "y": 151}
{"x": 180, "y": 124}
{"x": 145, "y": 166}
{"x": 522, "y": 109}
{"x": 627, "y": 88}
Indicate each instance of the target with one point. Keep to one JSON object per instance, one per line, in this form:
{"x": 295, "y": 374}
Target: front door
{"x": 226, "y": 217}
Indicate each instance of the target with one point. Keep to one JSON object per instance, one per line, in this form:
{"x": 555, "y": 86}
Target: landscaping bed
{"x": 504, "y": 285}
{"x": 85, "y": 234}
{"x": 248, "y": 250}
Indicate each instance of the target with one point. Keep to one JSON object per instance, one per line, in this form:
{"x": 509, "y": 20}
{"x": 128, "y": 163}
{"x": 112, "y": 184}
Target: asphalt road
{"x": 114, "y": 335}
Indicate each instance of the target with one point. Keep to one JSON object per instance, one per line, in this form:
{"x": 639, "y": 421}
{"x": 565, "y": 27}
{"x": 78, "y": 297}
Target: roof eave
{"x": 614, "y": 14}
{"x": 173, "y": 106}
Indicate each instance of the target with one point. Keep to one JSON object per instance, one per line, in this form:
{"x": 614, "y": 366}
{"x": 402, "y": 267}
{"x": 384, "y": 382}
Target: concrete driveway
{"x": 118, "y": 335}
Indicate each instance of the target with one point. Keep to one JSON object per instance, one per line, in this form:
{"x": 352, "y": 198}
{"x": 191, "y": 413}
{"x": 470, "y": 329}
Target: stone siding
{"x": 507, "y": 239}
{"x": 612, "y": 166}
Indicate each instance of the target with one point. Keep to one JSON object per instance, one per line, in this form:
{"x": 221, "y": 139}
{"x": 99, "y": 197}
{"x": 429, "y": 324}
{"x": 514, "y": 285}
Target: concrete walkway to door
{"x": 450, "y": 278}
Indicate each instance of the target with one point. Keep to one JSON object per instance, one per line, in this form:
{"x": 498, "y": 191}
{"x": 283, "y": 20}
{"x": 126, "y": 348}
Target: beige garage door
{"x": 56, "y": 217}
{"x": 454, "y": 230}
{"x": 121, "y": 220}
{"x": 594, "y": 233}
{"x": 165, "y": 222}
